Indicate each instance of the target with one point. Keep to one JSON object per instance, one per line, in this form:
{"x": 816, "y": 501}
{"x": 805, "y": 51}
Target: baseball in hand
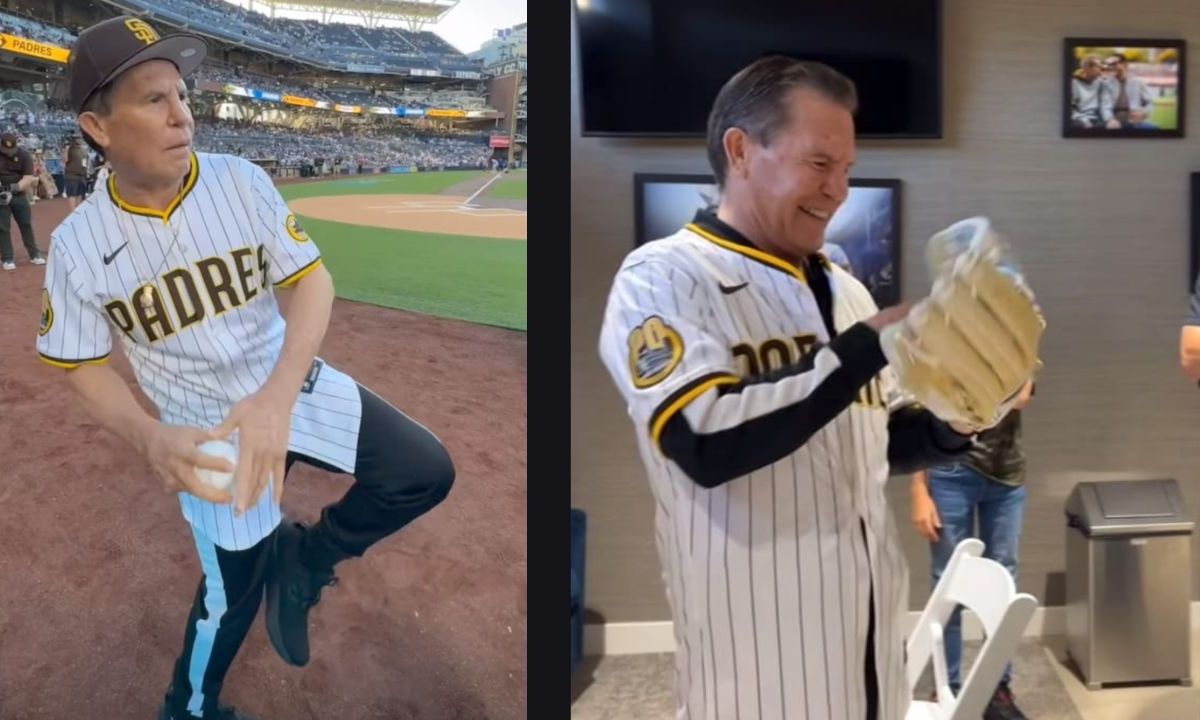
{"x": 215, "y": 478}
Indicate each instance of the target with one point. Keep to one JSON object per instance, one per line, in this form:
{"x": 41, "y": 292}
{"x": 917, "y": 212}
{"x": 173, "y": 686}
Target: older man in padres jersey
{"x": 753, "y": 374}
{"x": 180, "y": 256}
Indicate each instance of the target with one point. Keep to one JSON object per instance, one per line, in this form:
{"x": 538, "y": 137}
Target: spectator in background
{"x": 75, "y": 171}
{"x": 16, "y": 177}
{"x": 988, "y": 485}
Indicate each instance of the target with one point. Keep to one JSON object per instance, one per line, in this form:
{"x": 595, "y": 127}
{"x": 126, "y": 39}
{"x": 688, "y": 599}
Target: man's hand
{"x": 1025, "y": 396}
{"x": 925, "y": 516}
{"x": 173, "y": 454}
{"x": 263, "y": 424}
{"x": 1136, "y": 116}
{"x": 888, "y": 316}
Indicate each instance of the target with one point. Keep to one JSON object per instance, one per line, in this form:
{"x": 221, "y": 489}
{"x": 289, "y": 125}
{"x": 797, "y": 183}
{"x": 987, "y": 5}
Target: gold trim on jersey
{"x": 72, "y": 364}
{"x": 660, "y": 420}
{"x": 188, "y": 183}
{"x": 754, "y": 253}
{"x": 292, "y": 279}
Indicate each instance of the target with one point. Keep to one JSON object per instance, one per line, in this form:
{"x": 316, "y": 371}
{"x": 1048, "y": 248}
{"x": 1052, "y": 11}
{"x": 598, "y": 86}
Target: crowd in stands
{"x": 328, "y": 42}
{"x": 361, "y": 140}
{"x": 337, "y": 43}
{"x": 229, "y": 75}
{"x": 27, "y": 27}
{"x": 372, "y": 146}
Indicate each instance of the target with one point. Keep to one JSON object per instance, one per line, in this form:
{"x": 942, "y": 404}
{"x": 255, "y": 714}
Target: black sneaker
{"x": 1003, "y": 706}
{"x": 291, "y": 591}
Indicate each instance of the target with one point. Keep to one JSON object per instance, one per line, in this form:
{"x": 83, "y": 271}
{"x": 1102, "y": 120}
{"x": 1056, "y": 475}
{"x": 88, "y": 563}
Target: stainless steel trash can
{"x": 1129, "y": 585}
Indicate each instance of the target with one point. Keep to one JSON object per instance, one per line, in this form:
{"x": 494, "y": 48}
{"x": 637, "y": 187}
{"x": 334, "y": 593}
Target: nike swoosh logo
{"x": 110, "y": 257}
{"x": 731, "y": 289}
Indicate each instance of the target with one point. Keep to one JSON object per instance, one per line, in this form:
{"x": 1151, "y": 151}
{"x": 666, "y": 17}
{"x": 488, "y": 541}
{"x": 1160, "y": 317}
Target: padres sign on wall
{"x": 32, "y": 48}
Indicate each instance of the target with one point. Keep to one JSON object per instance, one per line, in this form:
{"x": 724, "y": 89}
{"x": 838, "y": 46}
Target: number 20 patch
{"x": 655, "y": 349}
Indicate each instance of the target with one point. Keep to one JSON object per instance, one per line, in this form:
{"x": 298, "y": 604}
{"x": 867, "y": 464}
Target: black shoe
{"x": 292, "y": 590}
{"x": 221, "y": 713}
{"x": 1003, "y": 706}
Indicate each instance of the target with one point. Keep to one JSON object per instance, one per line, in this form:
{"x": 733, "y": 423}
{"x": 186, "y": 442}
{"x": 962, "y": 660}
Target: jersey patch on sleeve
{"x": 47, "y": 314}
{"x": 655, "y": 349}
{"x": 295, "y": 229}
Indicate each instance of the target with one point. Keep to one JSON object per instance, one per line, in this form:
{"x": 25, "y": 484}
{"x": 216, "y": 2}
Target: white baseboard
{"x": 659, "y": 637}
{"x": 631, "y": 638}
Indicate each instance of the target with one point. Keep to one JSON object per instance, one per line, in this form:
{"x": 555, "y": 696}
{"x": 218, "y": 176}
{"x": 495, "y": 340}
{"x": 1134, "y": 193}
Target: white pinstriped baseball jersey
{"x": 190, "y": 293}
{"x": 767, "y": 574}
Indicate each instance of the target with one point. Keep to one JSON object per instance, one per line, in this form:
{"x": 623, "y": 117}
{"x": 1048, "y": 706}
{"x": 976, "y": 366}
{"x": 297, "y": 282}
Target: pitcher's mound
{"x": 420, "y": 213}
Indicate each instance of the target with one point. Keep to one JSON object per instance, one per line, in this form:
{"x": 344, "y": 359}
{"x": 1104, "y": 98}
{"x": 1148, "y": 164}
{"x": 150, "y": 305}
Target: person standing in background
{"x": 988, "y": 482}
{"x": 16, "y": 178}
{"x": 1189, "y": 338}
{"x": 75, "y": 171}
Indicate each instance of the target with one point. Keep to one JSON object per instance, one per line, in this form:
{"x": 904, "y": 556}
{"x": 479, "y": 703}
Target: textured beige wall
{"x": 1101, "y": 225}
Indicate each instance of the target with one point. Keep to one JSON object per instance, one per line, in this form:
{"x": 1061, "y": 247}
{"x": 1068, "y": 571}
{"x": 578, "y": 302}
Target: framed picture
{"x": 1121, "y": 87}
{"x": 863, "y": 236}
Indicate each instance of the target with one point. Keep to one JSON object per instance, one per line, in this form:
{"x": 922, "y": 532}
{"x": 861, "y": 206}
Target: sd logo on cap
{"x": 109, "y": 48}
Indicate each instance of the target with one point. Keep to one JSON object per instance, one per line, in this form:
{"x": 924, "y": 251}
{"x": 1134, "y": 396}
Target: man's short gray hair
{"x": 753, "y": 100}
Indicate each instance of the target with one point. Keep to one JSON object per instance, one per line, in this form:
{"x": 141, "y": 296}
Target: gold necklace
{"x": 146, "y": 297}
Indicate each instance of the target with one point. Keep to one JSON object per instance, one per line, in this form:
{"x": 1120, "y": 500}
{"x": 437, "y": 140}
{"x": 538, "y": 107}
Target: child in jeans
{"x": 989, "y": 483}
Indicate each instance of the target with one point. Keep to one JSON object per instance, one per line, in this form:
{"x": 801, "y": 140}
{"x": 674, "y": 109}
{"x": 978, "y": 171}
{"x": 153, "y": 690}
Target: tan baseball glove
{"x": 966, "y": 351}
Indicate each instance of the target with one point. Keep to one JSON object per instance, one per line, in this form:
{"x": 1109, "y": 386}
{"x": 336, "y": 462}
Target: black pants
{"x": 20, "y": 210}
{"x": 872, "y": 677}
{"x": 401, "y": 472}
{"x": 870, "y": 673}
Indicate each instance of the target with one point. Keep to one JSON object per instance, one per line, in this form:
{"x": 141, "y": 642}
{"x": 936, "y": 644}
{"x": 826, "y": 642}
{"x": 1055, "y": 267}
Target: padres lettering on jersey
{"x": 765, "y": 437}
{"x": 190, "y": 294}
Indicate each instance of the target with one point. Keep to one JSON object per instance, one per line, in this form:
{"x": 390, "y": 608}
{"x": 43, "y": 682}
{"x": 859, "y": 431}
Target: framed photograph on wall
{"x": 863, "y": 236}
{"x": 1122, "y": 87}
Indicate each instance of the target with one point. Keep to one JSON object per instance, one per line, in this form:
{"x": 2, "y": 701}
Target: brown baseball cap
{"x": 107, "y": 49}
{"x": 8, "y": 143}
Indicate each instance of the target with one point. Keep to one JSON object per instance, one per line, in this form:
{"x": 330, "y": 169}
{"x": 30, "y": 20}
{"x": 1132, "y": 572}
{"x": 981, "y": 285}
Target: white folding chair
{"x": 984, "y": 587}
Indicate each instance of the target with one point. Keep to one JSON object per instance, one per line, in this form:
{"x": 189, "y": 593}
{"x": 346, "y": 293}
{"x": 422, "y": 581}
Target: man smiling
{"x": 752, "y": 369}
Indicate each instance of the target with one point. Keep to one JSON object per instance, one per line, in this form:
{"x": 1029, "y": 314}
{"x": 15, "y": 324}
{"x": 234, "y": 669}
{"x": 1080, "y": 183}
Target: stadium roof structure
{"x": 415, "y": 13}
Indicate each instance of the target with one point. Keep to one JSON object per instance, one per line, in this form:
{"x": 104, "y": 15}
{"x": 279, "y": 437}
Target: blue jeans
{"x": 959, "y": 492}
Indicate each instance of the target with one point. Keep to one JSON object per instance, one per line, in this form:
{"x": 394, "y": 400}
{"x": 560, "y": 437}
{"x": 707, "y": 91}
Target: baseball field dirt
{"x": 423, "y": 213}
{"x": 99, "y": 568}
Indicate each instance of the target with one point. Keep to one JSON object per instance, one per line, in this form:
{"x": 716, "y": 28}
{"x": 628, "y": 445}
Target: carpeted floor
{"x": 620, "y": 687}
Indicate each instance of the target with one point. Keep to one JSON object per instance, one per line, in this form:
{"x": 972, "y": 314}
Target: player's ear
{"x": 735, "y": 142}
{"x": 93, "y": 125}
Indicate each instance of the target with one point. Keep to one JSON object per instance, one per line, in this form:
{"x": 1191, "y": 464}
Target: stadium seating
{"x": 331, "y": 43}
{"x": 25, "y": 27}
{"x": 374, "y": 144}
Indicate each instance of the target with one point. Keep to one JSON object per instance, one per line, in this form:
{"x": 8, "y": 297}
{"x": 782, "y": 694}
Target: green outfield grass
{"x": 475, "y": 279}
{"x": 1164, "y": 114}
{"x": 417, "y": 184}
{"x": 511, "y": 187}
